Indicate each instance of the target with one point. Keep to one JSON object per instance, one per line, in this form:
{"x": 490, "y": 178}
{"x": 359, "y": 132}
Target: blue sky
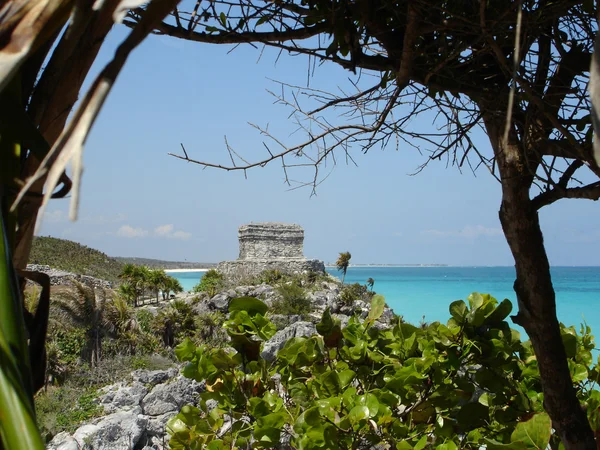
{"x": 138, "y": 201}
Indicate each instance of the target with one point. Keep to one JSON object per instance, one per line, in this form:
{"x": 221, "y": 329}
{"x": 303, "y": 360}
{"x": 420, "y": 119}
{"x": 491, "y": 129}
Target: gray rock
{"x": 298, "y": 329}
{"x": 202, "y": 307}
{"x": 318, "y": 300}
{"x": 242, "y": 291}
{"x": 154, "y": 377}
{"x": 157, "y": 424}
{"x": 165, "y": 398}
{"x": 220, "y": 302}
{"x": 261, "y": 290}
{"x": 123, "y": 398}
{"x": 118, "y": 431}
{"x": 63, "y": 441}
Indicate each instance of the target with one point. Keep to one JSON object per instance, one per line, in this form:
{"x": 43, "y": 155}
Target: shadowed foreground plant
{"x": 469, "y": 383}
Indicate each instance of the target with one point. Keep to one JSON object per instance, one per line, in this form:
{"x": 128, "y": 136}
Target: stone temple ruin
{"x": 270, "y": 246}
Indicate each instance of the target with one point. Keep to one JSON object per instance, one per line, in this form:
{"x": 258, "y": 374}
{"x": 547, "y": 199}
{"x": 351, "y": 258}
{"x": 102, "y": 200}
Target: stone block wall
{"x": 269, "y": 246}
{"x": 271, "y": 240}
{"x": 243, "y": 269}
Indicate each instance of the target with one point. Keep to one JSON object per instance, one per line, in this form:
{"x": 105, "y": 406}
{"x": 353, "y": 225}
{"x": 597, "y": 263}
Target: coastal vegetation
{"x": 210, "y": 283}
{"x": 342, "y": 264}
{"x": 470, "y": 383}
{"x": 518, "y": 71}
{"x": 73, "y": 257}
{"x": 140, "y": 280}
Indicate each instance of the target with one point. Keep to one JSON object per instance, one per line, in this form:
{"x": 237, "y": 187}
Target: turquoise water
{"x": 414, "y": 292}
{"x": 187, "y": 279}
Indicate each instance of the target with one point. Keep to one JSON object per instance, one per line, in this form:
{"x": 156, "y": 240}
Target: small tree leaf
{"x": 251, "y": 305}
{"x": 535, "y": 433}
{"x": 377, "y": 307}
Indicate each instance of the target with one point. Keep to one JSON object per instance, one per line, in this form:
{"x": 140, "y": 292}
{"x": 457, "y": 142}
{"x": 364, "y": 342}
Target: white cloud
{"x": 183, "y": 235}
{"x": 468, "y": 232}
{"x": 163, "y": 231}
{"x": 169, "y": 232}
{"x": 131, "y": 232}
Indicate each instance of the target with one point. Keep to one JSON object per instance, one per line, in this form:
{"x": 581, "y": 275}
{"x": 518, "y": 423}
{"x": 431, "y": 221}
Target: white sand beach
{"x": 186, "y": 270}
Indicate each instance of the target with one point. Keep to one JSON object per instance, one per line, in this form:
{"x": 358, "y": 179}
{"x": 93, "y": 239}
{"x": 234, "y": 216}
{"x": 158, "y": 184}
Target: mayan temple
{"x": 270, "y": 246}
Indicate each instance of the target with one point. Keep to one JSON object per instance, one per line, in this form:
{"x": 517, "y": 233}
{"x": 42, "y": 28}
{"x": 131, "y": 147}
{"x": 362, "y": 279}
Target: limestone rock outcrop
{"x": 137, "y": 413}
{"x": 269, "y": 246}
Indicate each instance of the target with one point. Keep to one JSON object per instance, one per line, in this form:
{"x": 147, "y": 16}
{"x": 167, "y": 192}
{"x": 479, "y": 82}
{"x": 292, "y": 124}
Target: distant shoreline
{"x": 186, "y": 270}
{"x": 392, "y": 265}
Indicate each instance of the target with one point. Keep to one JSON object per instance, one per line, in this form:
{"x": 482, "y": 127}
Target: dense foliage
{"x": 210, "y": 283}
{"x": 466, "y": 384}
{"x": 141, "y": 281}
{"x": 354, "y": 291}
{"x": 293, "y": 300}
{"x": 74, "y": 257}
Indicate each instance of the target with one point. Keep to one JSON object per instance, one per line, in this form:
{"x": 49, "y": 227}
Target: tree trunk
{"x": 533, "y": 286}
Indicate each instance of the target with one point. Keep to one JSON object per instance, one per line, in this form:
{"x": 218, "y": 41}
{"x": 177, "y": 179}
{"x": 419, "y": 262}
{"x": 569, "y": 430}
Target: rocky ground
{"x": 137, "y": 409}
{"x": 62, "y": 277}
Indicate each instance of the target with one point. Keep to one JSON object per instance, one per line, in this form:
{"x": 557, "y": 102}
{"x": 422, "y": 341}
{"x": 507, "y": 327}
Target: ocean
{"x": 425, "y": 293}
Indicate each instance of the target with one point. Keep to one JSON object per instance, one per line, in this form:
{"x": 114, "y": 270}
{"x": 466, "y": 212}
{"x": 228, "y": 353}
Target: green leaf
{"x": 223, "y": 18}
{"x": 358, "y": 413}
{"x": 377, "y": 308}
{"x": 475, "y": 300}
{"x": 535, "y": 433}
{"x": 371, "y": 402}
{"x": 186, "y": 350}
{"x": 500, "y": 313}
{"x": 579, "y": 372}
{"x": 447, "y": 446}
{"x": 264, "y": 19}
{"x": 346, "y": 376}
{"x": 570, "y": 342}
{"x": 459, "y": 311}
{"x": 251, "y": 305}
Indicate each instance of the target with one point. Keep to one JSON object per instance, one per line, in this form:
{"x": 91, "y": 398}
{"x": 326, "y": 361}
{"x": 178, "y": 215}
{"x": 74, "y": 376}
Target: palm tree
{"x": 85, "y": 307}
{"x": 120, "y": 315}
{"x": 157, "y": 281}
{"x": 171, "y": 285}
{"x": 138, "y": 277}
{"x": 370, "y": 283}
{"x": 342, "y": 264}
{"x": 127, "y": 292}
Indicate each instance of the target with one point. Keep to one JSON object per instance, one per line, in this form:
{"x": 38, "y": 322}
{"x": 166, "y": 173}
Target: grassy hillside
{"x": 74, "y": 257}
{"x": 160, "y": 264}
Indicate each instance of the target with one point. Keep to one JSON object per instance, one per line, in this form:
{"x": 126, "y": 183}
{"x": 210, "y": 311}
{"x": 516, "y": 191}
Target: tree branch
{"x": 590, "y": 192}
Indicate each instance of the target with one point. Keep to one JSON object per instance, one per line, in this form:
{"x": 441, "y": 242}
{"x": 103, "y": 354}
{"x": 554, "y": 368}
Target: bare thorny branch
{"x": 423, "y": 78}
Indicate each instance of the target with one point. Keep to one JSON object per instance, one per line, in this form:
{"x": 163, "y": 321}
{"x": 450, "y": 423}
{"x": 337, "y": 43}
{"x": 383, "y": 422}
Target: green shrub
{"x": 293, "y": 300}
{"x": 271, "y": 276}
{"x": 352, "y": 292}
{"x": 210, "y": 283}
{"x": 65, "y": 408}
{"x": 70, "y": 343}
{"x": 209, "y": 328}
{"x": 175, "y": 323}
{"x": 471, "y": 383}
{"x": 144, "y": 319}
